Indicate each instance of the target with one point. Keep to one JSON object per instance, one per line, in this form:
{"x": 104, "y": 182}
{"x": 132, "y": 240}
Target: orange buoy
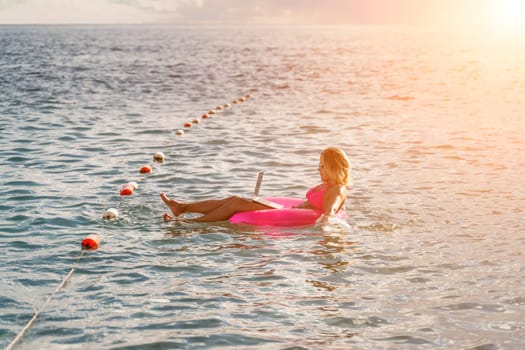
{"x": 187, "y": 125}
{"x": 91, "y": 242}
{"x": 146, "y": 169}
{"x": 205, "y": 116}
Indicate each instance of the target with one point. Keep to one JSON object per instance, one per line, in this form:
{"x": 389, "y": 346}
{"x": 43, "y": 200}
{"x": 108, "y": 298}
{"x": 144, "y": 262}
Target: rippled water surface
{"x": 434, "y": 125}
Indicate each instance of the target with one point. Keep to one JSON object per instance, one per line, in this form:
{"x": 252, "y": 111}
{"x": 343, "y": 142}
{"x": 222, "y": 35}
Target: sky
{"x": 455, "y": 13}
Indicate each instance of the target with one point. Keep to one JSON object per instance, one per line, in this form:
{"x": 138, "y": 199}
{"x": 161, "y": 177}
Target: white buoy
{"x": 179, "y": 132}
{"x": 159, "y": 157}
{"x": 133, "y": 184}
{"x": 111, "y": 213}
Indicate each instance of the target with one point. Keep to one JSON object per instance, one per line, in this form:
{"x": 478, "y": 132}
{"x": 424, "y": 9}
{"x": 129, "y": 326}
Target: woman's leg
{"x": 202, "y": 207}
{"x": 230, "y": 206}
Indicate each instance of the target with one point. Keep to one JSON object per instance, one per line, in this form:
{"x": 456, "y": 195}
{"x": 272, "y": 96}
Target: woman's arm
{"x": 333, "y": 200}
{"x": 304, "y": 205}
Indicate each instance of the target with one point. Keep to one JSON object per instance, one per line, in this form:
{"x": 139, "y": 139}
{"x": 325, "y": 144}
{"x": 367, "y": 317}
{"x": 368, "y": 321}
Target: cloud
{"x": 253, "y": 11}
{"x": 157, "y": 6}
{"x": 71, "y": 12}
{"x": 290, "y": 11}
{"x": 242, "y": 11}
{"x": 245, "y": 11}
{"x": 4, "y": 4}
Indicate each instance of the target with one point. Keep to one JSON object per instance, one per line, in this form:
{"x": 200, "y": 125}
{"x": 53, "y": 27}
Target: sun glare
{"x": 508, "y": 16}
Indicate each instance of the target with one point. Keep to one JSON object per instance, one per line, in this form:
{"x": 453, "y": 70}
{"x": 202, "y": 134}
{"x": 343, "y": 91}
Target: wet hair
{"x": 337, "y": 165}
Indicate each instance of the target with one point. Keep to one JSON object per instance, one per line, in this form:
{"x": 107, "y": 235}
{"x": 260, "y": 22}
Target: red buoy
{"x": 91, "y": 242}
{"x": 205, "y": 116}
{"x": 146, "y": 169}
{"x": 187, "y": 125}
{"x": 128, "y": 189}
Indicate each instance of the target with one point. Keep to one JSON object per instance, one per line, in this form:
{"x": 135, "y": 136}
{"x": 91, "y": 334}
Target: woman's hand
{"x": 324, "y": 220}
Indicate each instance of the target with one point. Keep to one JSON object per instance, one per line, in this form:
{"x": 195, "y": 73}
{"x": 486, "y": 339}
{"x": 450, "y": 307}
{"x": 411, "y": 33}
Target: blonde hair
{"x": 337, "y": 166}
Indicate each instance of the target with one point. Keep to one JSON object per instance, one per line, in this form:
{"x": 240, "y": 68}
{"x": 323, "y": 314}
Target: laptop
{"x": 260, "y": 200}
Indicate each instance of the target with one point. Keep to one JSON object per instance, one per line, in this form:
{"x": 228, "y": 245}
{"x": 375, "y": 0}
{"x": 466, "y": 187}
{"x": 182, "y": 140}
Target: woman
{"x": 329, "y": 196}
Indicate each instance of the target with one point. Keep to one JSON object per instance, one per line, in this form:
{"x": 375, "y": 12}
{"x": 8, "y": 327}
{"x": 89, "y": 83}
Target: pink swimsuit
{"x": 315, "y": 196}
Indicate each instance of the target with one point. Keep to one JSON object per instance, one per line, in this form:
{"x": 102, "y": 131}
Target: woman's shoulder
{"x": 338, "y": 189}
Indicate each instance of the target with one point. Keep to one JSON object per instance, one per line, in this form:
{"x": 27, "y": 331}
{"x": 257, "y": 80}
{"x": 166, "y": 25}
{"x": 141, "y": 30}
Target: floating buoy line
{"x": 92, "y": 241}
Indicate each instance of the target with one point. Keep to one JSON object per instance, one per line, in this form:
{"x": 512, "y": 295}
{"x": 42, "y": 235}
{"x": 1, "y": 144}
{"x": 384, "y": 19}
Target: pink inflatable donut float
{"x": 288, "y": 216}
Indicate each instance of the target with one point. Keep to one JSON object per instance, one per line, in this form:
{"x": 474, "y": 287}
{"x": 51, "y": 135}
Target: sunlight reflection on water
{"x": 429, "y": 257}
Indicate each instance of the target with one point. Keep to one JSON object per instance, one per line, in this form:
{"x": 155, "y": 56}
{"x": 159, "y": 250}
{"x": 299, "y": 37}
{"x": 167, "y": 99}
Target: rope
{"x": 146, "y": 185}
{"x": 33, "y": 319}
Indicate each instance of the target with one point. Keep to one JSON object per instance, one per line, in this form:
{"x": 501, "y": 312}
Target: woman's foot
{"x": 175, "y": 207}
{"x": 167, "y": 217}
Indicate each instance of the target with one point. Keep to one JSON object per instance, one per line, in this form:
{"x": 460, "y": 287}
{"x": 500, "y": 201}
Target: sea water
{"x": 432, "y": 122}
